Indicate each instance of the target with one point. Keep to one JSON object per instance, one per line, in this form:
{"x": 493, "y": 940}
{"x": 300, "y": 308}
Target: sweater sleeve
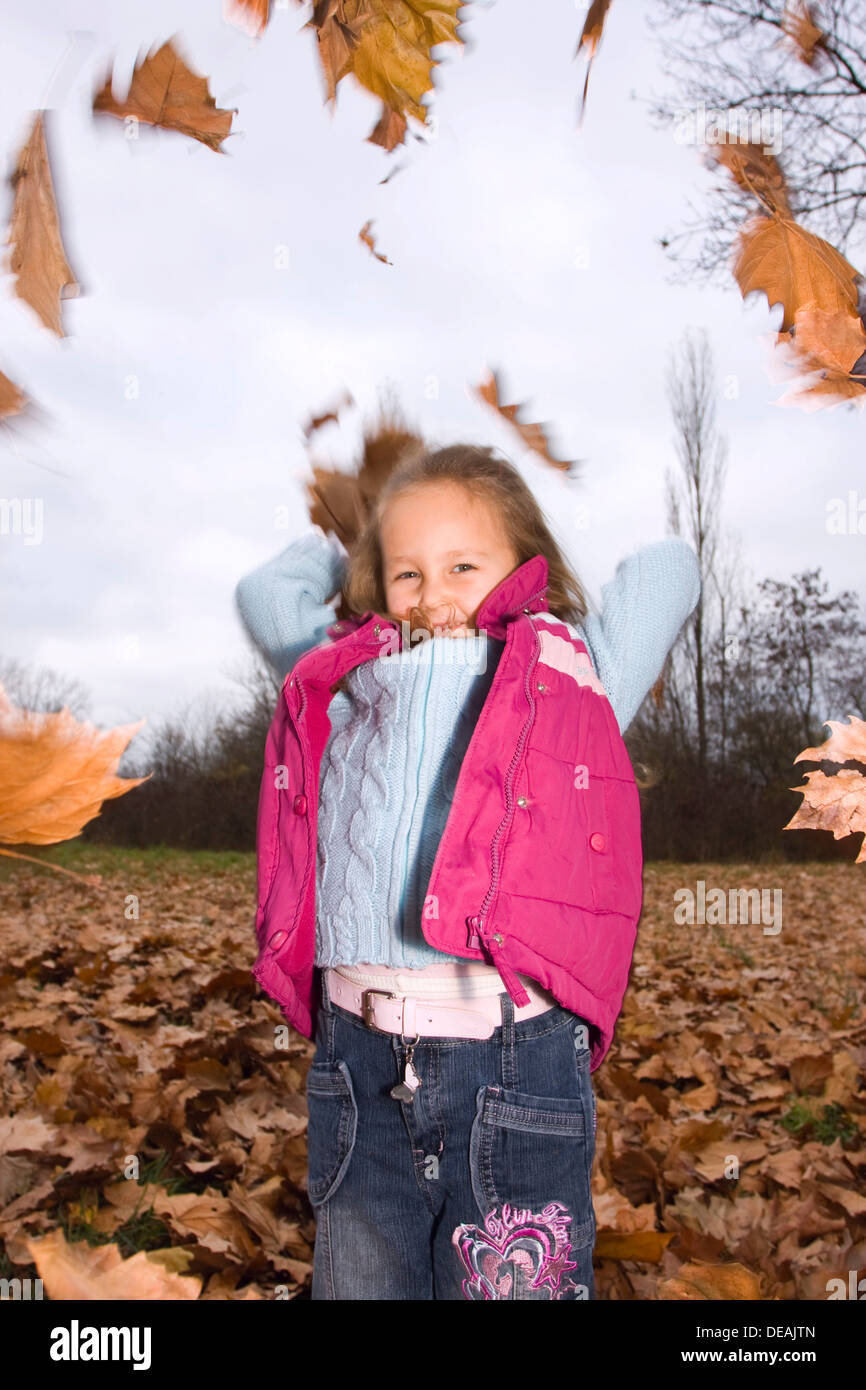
{"x": 644, "y": 606}
{"x": 282, "y": 604}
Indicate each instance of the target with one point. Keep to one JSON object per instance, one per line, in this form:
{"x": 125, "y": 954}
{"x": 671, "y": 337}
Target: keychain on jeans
{"x": 405, "y": 1089}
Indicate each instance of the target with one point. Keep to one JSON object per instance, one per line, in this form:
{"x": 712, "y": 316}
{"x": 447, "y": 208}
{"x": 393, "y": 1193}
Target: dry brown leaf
{"x": 82, "y": 1271}
{"x": 166, "y": 92}
{"x": 836, "y": 803}
{"x": 533, "y": 435}
{"x": 365, "y": 236}
{"x": 794, "y": 268}
{"x": 43, "y": 276}
{"x": 704, "y": 1281}
{"x": 249, "y": 15}
{"x": 590, "y": 38}
{"x": 648, "y": 1246}
{"x": 56, "y": 773}
{"x": 386, "y": 45}
{"x": 799, "y": 25}
{"x": 753, "y": 168}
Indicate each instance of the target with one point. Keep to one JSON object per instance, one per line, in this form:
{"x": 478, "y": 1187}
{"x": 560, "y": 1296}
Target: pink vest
{"x": 539, "y": 869}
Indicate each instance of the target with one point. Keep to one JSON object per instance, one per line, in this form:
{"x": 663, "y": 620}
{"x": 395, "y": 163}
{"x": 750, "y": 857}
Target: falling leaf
{"x": 365, "y": 236}
{"x": 316, "y": 422}
{"x": 340, "y": 501}
{"x": 56, "y": 772}
{"x": 249, "y": 15}
{"x": 759, "y": 172}
{"x": 386, "y": 45}
{"x": 82, "y": 1271}
{"x": 12, "y": 398}
{"x": 827, "y": 347}
{"x": 166, "y": 92}
{"x": 37, "y": 259}
{"x": 590, "y": 38}
{"x": 836, "y": 803}
{"x": 799, "y": 25}
{"x": 533, "y": 435}
{"x": 794, "y": 268}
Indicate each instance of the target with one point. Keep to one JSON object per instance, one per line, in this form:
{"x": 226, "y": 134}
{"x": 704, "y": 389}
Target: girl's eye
{"x": 406, "y": 573}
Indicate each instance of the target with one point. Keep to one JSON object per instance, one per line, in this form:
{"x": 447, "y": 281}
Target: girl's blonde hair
{"x": 482, "y": 474}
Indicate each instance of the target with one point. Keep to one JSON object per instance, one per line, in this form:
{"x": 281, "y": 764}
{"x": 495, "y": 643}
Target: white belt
{"x": 415, "y": 1016}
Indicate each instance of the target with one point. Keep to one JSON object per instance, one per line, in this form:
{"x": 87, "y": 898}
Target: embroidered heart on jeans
{"x": 521, "y": 1254}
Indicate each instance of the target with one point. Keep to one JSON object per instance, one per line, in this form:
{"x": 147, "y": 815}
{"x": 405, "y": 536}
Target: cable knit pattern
{"x": 399, "y": 734}
{"x": 388, "y": 776}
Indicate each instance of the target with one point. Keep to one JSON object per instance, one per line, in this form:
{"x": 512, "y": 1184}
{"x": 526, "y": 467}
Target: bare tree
{"x": 44, "y": 690}
{"x": 734, "y": 56}
{"x": 694, "y": 495}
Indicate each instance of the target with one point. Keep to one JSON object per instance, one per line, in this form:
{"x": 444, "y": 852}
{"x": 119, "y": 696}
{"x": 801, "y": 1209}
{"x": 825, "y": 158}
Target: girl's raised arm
{"x": 651, "y": 595}
{"x": 282, "y": 604}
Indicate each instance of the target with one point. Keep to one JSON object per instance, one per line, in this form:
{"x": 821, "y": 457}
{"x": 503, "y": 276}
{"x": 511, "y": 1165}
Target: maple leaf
{"x": 836, "y": 803}
{"x": 702, "y": 1281}
{"x": 533, "y": 435}
{"x": 56, "y": 772}
{"x": 81, "y": 1271}
{"x": 828, "y": 345}
{"x": 386, "y": 45}
{"x": 799, "y": 25}
{"x": 166, "y": 92}
{"x": 590, "y": 38}
{"x": 752, "y": 168}
{"x": 794, "y": 268}
{"x": 37, "y": 259}
{"x": 364, "y": 235}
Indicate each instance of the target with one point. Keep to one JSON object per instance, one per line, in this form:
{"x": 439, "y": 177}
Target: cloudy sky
{"x": 170, "y": 434}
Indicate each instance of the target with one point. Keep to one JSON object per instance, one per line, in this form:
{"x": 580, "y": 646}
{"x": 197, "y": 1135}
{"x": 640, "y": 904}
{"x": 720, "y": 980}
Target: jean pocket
{"x": 531, "y": 1151}
{"x": 331, "y": 1128}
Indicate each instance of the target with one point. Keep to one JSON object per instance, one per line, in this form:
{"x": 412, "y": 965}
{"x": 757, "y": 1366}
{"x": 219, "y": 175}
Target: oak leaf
{"x": 37, "y": 259}
{"x": 166, "y": 92}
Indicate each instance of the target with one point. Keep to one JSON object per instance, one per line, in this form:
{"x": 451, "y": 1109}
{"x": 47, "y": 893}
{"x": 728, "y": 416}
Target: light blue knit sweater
{"x": 399, "y": 734}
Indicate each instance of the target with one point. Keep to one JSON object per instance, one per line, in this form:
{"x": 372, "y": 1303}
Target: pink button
{"x": 276, "y": 940}
{"x": 597, "y": 840}
{"x": 300, "y": 805}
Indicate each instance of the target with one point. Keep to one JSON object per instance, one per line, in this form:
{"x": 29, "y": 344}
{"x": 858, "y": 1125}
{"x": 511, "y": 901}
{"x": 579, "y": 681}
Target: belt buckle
{"x": 366, "y": 1008}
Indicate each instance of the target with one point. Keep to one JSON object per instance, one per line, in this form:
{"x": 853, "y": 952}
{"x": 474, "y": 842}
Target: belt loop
{"x": 509, "y": 1059}
{"x": 328, "y": 1017}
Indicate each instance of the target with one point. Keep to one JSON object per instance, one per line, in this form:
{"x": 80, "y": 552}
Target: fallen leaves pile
{"x": 141, "y": 1045}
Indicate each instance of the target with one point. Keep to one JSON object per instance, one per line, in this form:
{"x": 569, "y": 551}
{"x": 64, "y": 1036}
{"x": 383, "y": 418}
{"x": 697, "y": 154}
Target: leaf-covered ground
{"x": 731, "y": 1109}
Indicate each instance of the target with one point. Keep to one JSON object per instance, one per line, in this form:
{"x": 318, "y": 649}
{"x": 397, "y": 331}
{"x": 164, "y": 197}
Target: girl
{"x": 449, "y": 869}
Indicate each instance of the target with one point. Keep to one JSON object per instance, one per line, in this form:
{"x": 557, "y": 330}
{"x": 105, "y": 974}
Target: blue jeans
{"x": 477, "y": 1189}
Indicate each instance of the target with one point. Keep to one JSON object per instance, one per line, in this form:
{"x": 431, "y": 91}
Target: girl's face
{"x": 443, "y": 552}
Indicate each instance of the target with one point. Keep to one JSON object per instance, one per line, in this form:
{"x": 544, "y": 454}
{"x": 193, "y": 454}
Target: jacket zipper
{"x": 480, "y": 931}
{"x": 412, "y": 817}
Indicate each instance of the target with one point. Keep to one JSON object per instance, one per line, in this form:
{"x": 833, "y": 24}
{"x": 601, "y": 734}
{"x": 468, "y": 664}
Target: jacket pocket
{"x": 532, "y": 1152}
{"x": 331, "y": 1128}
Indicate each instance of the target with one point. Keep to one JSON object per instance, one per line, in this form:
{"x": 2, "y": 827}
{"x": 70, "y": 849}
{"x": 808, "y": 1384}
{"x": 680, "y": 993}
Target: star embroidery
{"x": 554, "y": 1269}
